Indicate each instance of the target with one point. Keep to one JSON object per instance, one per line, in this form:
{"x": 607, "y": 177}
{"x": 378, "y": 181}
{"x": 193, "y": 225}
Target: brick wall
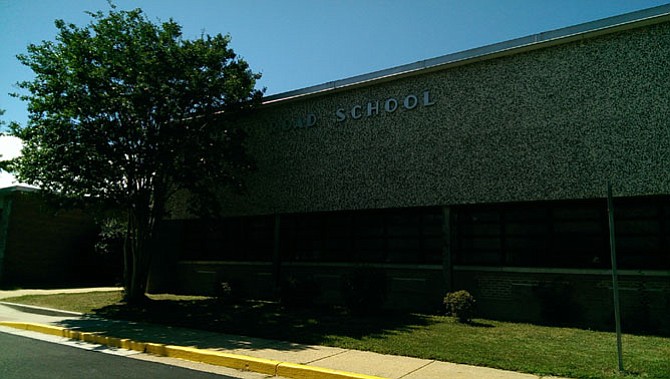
{"x": 570, "y": 297}
{"x": 416, "y": 287}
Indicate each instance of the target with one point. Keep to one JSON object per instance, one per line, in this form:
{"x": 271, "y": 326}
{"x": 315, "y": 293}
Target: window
{"x": 564, "y": 234}
{"x": 412, "y": 235}
{"x": 230, "y": 239}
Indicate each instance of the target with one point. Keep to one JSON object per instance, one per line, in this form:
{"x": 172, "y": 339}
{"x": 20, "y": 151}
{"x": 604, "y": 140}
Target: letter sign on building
{"x": 391, "y": 104}
{"x": 358, "y": 111}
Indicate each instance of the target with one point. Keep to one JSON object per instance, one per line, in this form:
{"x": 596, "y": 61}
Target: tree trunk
{"x": 136, "y": 290}
{"x": 137, "y": 255}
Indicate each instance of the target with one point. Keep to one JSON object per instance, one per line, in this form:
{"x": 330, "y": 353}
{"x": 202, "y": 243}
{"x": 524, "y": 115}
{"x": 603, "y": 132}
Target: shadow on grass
{"x": 211, "y": 324}
{"x": 480, "y": 324}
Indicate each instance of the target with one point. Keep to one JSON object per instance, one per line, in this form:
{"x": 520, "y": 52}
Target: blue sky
{"x": 296, "y": 44}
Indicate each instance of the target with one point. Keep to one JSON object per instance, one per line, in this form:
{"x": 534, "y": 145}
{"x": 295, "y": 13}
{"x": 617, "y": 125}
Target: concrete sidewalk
{"x": 295, "y": 360}
{"x": 22, "y": 292}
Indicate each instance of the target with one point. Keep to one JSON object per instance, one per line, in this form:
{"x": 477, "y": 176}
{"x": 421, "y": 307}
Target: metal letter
{"x": 299, "y": 122}
{"x": 391, "y": 105}
{"x": 341, "y": 116}
{"x": 410, "y": 102}
{"x": 356, "y": 112}
{"x": 311, "y": 119}
{"x": 426, "y": 99}
{"x": 373, "y": 110}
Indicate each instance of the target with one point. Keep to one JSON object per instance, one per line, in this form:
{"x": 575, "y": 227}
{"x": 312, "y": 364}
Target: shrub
{"x": 460, "y": 304}
{"x": 364, "y": 290}
{"x": 109, "y": 250}
{"x": 301, "y": 292}
{"x": 111, "y": 236}
{"x": 228, "y": 291}
{"x": 224, "y": 292}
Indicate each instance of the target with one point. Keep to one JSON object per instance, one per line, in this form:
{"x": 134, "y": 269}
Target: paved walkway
{"x": 346, "y": 360}
{"x": 21, "y": 292}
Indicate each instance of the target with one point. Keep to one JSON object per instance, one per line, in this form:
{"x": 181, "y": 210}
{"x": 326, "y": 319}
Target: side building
{"x": 43, "y": 246}
{"x": 483, "y": 170}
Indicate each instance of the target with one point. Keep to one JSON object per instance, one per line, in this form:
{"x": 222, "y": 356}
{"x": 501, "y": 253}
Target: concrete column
{"x": 276, "y": 254}
{"x": 447, "y": 238}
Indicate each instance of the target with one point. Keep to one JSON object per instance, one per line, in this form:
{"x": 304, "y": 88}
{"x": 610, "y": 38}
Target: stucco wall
{"x": 553, "y": 123}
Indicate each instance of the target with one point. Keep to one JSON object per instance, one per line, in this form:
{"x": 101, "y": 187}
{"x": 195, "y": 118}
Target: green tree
{"x": 127, "y": 113}
{"x": 3, "y": 164}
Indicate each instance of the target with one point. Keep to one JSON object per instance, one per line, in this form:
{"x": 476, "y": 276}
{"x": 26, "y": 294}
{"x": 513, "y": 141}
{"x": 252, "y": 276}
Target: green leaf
{"x": 126, "y": 112}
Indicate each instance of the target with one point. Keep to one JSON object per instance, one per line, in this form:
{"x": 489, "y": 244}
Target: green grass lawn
{"x": 541, "y": 350}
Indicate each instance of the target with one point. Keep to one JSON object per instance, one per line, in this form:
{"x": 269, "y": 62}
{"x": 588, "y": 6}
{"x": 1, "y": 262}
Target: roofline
{"x": 586, "y": 30}
{"x": 18, "y": 188}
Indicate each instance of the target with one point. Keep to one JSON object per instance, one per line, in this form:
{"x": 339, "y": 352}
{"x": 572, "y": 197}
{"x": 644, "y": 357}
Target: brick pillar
{"x": 5, "y": 210}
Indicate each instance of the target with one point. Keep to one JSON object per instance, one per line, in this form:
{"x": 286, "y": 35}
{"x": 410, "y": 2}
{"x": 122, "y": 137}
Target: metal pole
{"x": 615, "y": 280}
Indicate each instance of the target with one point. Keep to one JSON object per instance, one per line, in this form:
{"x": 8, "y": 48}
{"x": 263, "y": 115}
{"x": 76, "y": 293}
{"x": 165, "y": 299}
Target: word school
{"x": 358, "y": 111}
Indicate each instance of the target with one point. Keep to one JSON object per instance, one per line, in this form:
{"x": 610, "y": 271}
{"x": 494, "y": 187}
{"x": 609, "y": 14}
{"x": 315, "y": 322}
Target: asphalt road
{"x": 26, "y": 358}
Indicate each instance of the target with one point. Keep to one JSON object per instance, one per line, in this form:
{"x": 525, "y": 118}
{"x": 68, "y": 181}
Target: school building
{"x": 483, "y": 170}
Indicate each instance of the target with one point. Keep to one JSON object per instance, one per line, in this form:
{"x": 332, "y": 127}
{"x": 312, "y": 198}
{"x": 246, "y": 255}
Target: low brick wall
{"x": 570, "y": 296}
{"x": 417, "y": 287}
{"x": 250, "y": 279}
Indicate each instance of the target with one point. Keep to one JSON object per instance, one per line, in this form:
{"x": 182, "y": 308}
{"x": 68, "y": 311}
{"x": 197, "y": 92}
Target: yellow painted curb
{"x": 298, "y": 371}
{"x": 239, "y": 362}
{"x": 45, "y": 329}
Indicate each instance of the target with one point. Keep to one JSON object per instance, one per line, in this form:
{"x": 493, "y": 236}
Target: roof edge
{"x": 562, "y": 35}
{"x": 18, "y": 188}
